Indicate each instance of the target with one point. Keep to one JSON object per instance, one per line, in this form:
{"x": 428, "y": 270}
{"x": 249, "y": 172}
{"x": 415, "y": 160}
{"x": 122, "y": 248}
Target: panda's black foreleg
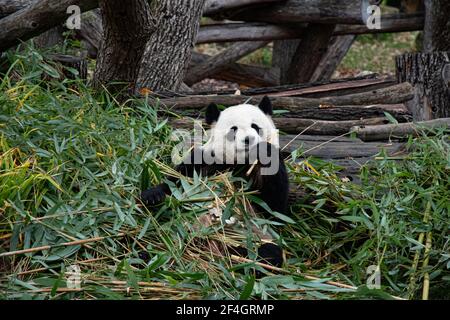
{"x": 274, "y": 189}
{"x": 271, "y": 254}
{"x": 193, "y": 163}
{"x": 268, "y": 253}
{"x": 155, "y": 195}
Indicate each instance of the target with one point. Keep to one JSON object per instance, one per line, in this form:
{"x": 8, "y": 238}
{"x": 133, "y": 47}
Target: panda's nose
{"x": 249, "y": 140}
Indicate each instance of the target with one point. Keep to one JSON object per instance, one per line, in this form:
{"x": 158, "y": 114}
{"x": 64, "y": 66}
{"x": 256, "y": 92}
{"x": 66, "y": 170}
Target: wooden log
{"x": 349, "y": 113}
{"x": 305, "y": 126}
{"x": 10, "y": 6}
{"x": 313, "y": 11}
{"x": 290, "y": 55}
{"x": 339, "y": 113}
{"x": 250, "y": 31}
{"x": 282, "y": 54}
{"x": 337, "y": 50}
{"x": 213, "y": 7}
{"x": 37, "y": 18}
{"x": 248, "y": 75}
{"x": 322, "y": 89}
{"x": 399, "y": 93}
{"x": 391, "y": 95}
{"x": 311, "y": 49}
{"x": 399, "y": 131}
{"x": 256, "y": 31}
{"x": 91, "y": 31}
{"x": 326, "y": 147}
{"x": 77, "y": 63}
{"x": 220, "y": 61}
{"x": 437, "y": 25}
{"x": 389, "y": 23}
{"x": 335, "y": 87}
{"x": 426, "y": 72}
{"x": 50, "y": 38}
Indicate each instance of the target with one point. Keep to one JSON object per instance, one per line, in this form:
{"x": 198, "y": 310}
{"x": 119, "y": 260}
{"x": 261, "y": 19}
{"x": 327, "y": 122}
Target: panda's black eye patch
{"x": 234, "y": 128}
{"x": 256, "y": 127}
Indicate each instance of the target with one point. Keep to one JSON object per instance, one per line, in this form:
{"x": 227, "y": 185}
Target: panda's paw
{"x": 153, "y": 196}
{"x": 271, "y": 254}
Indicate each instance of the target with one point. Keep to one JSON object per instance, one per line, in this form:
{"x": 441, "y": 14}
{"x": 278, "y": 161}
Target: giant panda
{"x": 243, "y": 139}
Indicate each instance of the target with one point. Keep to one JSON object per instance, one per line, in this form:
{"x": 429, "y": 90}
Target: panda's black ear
{"x": 212, "y": 113}
{"x": 266, "y": 106}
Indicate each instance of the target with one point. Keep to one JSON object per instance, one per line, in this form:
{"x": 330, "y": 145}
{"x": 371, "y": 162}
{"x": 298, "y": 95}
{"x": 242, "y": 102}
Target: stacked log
{"x": 324, "y": 32}
{"x": 331, "y": 115}
{"x": 257, "y": 31}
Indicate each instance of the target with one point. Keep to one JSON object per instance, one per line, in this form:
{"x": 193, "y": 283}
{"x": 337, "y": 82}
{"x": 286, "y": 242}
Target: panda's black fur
{"x": 273, "y": 189}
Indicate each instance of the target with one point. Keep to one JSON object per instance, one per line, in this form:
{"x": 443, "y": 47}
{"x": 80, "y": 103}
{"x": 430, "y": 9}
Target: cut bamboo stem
{"x": 426, "y": 277}
{"x": 64, "y": 244}
{"x": 412, "y": 280}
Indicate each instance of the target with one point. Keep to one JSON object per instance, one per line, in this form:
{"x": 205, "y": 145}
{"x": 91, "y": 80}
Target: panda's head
{"x": 237, "y": 129}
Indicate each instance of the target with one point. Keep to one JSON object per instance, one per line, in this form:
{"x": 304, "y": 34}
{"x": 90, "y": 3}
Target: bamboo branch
{"x": 64, "y": 244}
{"x": 426, "y": 277}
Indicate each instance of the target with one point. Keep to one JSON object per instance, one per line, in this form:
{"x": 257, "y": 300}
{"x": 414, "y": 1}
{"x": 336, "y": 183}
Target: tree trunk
{"x": 127, "y": 27}
{"x": 427, "y": 73}
{"x": 169, "y": 50}
{"x": 437, "y": 25}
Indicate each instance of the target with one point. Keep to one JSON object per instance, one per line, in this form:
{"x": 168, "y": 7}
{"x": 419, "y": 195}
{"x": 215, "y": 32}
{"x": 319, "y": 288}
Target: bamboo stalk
{"x": 426, "y": 279}
{"x": 64, "y": 244}
{"x": 417, "y": 254}
{"x": 45, "y": 269}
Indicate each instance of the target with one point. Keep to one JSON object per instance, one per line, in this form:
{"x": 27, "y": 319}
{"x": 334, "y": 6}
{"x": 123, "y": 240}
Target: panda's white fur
{"x": 240, "y": 119}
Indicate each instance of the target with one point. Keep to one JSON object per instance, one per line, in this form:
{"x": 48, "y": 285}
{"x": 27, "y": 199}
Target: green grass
{"x": 72, "y": 164}
{"x": 376, "y": 53}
